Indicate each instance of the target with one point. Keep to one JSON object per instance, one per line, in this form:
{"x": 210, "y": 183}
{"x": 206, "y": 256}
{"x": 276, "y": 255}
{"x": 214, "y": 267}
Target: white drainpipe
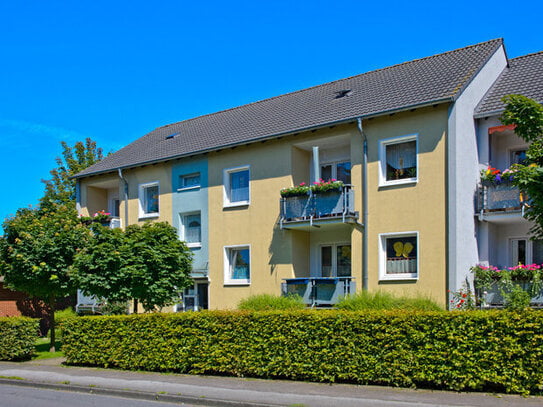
{"x": 316, "y": 165}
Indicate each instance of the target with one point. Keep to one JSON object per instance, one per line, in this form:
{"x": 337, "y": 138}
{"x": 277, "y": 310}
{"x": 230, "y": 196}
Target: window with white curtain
{"x": 399, "y": 257}
{"x": 398, "y": 160}
{"x": 192, "y": 229}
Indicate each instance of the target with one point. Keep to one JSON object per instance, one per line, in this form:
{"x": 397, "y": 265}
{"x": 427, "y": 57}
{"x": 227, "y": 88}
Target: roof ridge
{"x": 527, "y": 55}
{"x": 500, "y": 40}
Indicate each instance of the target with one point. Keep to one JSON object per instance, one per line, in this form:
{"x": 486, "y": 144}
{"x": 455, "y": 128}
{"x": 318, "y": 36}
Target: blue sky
{"x": 114, "y": 70}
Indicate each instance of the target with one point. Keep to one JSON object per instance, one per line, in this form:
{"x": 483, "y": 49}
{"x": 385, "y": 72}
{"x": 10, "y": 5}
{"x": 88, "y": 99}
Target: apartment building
{"x": 407, "y": 142}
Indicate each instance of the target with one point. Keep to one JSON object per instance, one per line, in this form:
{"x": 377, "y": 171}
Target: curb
{"x": 134, "y": 394}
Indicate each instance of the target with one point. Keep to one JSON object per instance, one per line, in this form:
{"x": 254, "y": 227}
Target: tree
{"x": 527, "y": 116}
{"x": 146, "y": 263}
{"x": 37, "y": 251}
{"x": 60, "y": 189}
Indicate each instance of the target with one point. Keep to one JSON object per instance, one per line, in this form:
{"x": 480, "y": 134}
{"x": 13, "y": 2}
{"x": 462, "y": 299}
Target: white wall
{"x": 463, "y": 172}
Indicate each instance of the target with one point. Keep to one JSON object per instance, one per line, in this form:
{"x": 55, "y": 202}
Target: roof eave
{"x": 272, "y": 136}
{"x": 488, "y": 114}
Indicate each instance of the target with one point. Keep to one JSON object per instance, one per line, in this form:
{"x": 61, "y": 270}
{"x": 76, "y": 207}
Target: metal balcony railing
{"x": 319, "y": 291}
{"x": 334, "y": 203}
{"x": 500, "y": 198}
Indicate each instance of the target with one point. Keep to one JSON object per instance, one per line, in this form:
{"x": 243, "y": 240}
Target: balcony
{"x": 493, "y": 297}
{"x": 319, "y": 291}
{"x": 500, "y": 202}
{"x": 315, "y": 209}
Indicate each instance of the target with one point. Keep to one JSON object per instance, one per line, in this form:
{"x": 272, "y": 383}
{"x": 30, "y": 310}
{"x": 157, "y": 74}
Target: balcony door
{"x": 526, "y": 251}
{"x": 340, "y": 171}
{"x": 335, "y": 260}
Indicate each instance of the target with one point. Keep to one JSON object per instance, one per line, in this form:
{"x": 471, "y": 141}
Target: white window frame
{"x": 183, "y": 187}
{"x": 227, "y": 203}
{"x": 183, "y": 227}
{"x": 383, "y": 159}
{"x": 227, "y": 266}
{"x": 334, "y": 166}
{"x": 141, "y": 200}
{"x": 334, "y": 246}
{"x": 529, "y": 249}
{"x": 383, "y": 276}
{"x": 111, "y": 206}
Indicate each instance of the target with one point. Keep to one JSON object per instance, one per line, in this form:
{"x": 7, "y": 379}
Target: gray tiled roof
{"x": 523, "y": 76}
{"x": 434, "y": 79}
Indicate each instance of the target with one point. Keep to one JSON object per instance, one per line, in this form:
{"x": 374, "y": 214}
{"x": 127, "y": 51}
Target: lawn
{"x": 42, "y": 349}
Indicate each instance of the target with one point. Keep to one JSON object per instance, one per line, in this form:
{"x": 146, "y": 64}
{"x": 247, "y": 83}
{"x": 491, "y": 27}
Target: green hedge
{"x": 18, "y": 337}
{"x": 479, "y": 350}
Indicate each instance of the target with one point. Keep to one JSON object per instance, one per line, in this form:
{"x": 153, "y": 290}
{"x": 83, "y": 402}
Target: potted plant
{"x": 299, "y": 190}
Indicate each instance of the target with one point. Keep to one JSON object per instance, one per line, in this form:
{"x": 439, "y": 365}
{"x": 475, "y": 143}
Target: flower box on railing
{"x": 319, "y": 203}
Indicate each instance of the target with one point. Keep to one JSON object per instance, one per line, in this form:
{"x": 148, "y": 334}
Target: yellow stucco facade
{"x": 275, "y": 254}
{"x": 416, "y": 207}
{"x": 97, "y": 193}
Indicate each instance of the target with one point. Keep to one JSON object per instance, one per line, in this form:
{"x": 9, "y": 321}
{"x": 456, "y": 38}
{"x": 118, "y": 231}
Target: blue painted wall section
{"x": 188, "y": 200}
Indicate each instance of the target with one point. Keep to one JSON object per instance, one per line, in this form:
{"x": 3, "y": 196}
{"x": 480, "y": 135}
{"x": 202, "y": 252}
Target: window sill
{"x": 188, "y": 188}
{"x": 238, "y": 283}
{"x": 399, "y": 277}
{"x": 235, "y": 204}
{"x": 194, "y": 245}
{"x": 149, "y": 215}
{"x": 407, "y": 181}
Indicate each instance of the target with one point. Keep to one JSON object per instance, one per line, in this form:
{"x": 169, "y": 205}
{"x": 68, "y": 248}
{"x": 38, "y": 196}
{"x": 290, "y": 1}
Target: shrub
{"x": 477, "y": 350}
{"x": 380, "y": 300}
{"x": 266, "y": 302}
{"x": 18, "y": 336}
{"x": 63, "y": 315}
{"x": 115, "y": 308}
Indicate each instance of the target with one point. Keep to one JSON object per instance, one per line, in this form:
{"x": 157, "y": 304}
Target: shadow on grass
{"x": 42, "y": 349}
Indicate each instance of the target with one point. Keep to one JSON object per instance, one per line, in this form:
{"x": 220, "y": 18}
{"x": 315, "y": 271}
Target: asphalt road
{"x": 15, "y": 396}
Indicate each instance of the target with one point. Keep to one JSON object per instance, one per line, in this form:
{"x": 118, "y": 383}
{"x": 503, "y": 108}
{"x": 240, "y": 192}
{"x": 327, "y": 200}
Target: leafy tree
{"x": 36, "y": 252}
{"x": 527, "y": 115}
{"x": 146, "y": 263}
{"x": 60, "y": 189}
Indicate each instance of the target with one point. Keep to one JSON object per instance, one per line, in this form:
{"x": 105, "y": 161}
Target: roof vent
{"x": 172, "y": 136}
{"x": 342, "y": 93}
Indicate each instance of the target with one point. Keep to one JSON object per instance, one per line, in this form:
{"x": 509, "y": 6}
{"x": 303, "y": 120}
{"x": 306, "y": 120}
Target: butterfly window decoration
{"x": 401, "y": 255}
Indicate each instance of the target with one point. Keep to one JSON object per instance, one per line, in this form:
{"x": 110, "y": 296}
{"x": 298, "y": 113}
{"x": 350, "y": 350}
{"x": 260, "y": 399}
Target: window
{"x": 149, "y": 200}
{"x": 526, "y": 251}
{"x": 114, "y": 207}
{"x": 518, "y": 157}
{"x": 189, "y": 181}
{"x": 398, "y": 160}
{"x": 236, "y": 186}
{"x": 237, "y": 265}
{"x": 340, "y": 171}
{"x": 399, "y": 256}
{"x": 336, "y": 260}
{"x": 192, "y": 229}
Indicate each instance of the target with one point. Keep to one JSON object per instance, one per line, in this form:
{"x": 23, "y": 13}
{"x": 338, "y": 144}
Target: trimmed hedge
{"x": 479, "y": 350}
{"x": 18, "y": 337}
